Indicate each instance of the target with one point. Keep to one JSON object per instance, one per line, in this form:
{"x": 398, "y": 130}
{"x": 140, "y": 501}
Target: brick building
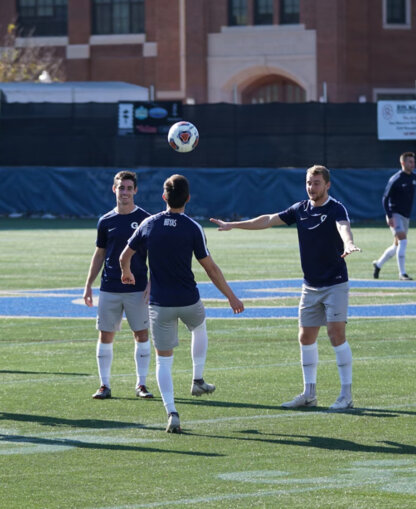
{"x": 241, "y": 51}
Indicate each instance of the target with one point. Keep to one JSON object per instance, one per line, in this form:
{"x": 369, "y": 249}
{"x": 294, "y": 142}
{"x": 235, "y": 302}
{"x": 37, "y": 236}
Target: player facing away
{"x": 170, "y": 239}
{"x": 397, "y": 202}
{"x": 113, "y": 230}
{"x": 325, "y": 239}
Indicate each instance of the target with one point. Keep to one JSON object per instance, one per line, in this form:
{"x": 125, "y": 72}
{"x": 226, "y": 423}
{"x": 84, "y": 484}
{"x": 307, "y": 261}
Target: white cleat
{"x": 342, "y": 403}
{"x": 201, "y": 387}
{"x": 300, "y": 401}
{"x": 174, "y": 425}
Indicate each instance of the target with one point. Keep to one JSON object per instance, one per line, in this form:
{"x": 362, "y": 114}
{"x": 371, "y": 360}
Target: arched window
{"x": 273, "y": 89}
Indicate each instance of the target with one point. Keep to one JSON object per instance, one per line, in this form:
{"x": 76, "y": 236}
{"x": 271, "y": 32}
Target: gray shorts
{"x": 164, "y": 323}
{"x": 318, "y": 306}
{"x": 111, "y": 307}
{"x": 401, "y": 224}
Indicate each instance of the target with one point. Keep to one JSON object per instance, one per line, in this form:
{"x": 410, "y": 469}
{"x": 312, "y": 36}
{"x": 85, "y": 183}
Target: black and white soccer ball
{"x": 183, "y": 136}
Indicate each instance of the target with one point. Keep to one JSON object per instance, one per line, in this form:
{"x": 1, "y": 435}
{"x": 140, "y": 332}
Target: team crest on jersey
{"x": 134, "y": 225}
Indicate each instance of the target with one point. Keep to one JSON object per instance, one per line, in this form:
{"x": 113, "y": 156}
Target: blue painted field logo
{"x": 68, "y": 303}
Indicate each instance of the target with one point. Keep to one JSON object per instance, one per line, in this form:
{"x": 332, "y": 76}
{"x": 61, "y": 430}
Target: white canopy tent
{"x": 73, "y": 92}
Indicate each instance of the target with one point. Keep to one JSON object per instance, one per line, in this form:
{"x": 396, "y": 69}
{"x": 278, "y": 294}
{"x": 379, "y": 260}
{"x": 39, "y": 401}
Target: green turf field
{"x": 59, "y": 448}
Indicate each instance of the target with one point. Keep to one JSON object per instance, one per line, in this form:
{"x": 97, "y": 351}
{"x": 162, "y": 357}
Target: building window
{"x": 237, "y": 12}
{"x": 263, "y": 12}
{"x": 274, "y": 89}
{"x": 396, "y": 13}
{"x": 42, "y": 17}
{"x": 118, "y": 17}
{"x": 289, "y": 12}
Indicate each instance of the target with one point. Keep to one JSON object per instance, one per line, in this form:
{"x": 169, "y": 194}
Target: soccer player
{"x": 325, "y": 239}
{"x": 113, "y": 231}
{"x": 169, "y": 239}
{"x": 397, "y": 202}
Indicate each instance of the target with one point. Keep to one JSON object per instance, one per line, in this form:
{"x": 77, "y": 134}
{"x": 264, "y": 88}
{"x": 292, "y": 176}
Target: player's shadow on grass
{"x": 318, "y": 442}
{"x": 80, "y": 444}
{"x": 46, "y": 420}
{"x": 339, "y": 444}
{"x": 23, "y": 372}
{"x": 226, "y": 404}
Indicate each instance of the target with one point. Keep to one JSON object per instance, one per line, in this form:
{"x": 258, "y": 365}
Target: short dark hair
{"x": 317, "y": 169}
{"x": 126, "y": 175}
{"x": 405, "y": 155}
{"x": 176, "y": 191}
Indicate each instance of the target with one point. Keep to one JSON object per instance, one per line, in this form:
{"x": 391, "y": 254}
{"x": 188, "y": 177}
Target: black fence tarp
{"x": 267, "y": 135}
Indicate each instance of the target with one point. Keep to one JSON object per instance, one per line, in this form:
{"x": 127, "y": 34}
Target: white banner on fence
{"x": 396, "y": 120}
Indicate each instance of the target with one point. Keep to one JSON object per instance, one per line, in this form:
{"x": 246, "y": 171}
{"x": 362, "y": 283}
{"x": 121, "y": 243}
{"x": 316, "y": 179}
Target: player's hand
{"x": 88, "y": 296}
{"x": 236, "y": 305}
{"x": 350, "y": 248}
{"x": 127, "y": 278}
{"x": 390, "y": 221}
{"x": 222, "y": 225}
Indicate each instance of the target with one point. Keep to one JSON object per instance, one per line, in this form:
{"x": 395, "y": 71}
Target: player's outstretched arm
{"x": 125, "y": 258}
{"x": 258, "y": 223}
{"x": 97, "y": 261}
{"x": 345, "y": 232}
{"x": 217, "y": 277}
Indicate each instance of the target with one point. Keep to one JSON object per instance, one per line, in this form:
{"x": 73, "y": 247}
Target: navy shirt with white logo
{"x": 170, "y": 240}
{"x": 399, "y": 193}
{"x": 320, "y": 244}
{"x": 113, "y": 232}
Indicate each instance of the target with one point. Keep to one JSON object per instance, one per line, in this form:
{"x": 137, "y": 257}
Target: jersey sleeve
{"x": 200, "y": 243}
{"x": 289, "y": 215}
{"x": 341, "y": 213}
{"x": 101, "y": 235}
{"x": 135, "y": 240}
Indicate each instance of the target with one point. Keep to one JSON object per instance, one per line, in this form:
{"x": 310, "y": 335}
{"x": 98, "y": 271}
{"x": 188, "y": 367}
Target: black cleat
{"x": 376, "y": 270}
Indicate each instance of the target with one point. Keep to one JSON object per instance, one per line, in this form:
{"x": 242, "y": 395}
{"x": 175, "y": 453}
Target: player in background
{"x": 325, "y": 239}
{"x": 113, "y": 231}
{"x": 170, "y": 239}
{"x": 397, "y": 202}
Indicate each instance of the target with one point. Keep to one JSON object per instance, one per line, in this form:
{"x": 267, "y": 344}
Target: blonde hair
{"x": 317, "y": 169}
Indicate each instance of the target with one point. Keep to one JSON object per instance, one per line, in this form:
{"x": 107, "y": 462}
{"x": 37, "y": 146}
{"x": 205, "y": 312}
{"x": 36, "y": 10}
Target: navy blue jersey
{"x": 399, "y": 193}
{"x": 170, "y": 240}
{"x": 113, "y": 232}
{"x": 320, "y": 243}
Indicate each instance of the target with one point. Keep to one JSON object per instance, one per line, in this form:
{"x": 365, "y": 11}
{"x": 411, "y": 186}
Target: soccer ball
{"x": 183, "y": 136}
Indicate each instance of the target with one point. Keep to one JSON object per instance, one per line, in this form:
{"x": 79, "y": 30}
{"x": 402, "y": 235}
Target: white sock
{"x": 164, "y": 381}
{"x": 309, "y": 360}
{"x": 401, "y": 256}
{"x": 199, "y": 347}
{"x": 104, "y": 360}
{"x": 142, "y": 360}
{"x": 344, "y": 362}
{"x": 388, "y": 253}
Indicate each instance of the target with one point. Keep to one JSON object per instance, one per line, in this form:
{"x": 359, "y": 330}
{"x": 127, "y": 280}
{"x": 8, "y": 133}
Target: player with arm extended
{"x": 397, "y": 203}
{"x": 325, "y": 239}
{"x": 113, "y": 231}
{"x": 170, "y": 239}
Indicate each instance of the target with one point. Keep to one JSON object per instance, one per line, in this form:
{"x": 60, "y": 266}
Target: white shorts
{"x": 111, "y": 307}
{"x": 401, "y": 224}
{"x": 164, "y": 323}
{"x": 318, "y": 306}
